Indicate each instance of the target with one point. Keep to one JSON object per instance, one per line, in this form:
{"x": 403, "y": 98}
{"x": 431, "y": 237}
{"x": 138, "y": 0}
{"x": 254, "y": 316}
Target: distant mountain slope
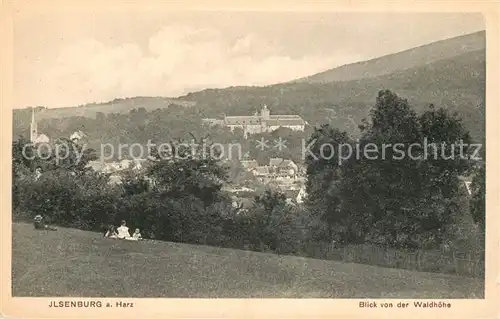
{"x": 457, "y": 83}
{"x": 407, "y": 59}
{"x": 115, "y": 106}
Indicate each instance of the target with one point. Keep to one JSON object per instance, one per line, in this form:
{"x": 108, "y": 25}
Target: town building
{"x": 283, "y": 167}
{"x": 113, "y": 167}
{"x": 76, "y": 136}
{"x": 301, "y": 196}
{"x": 249, "y": 164}
{"x": 261, "y": 173}
{"x": 213, "y": 122}
{"x": 467, "y": 180}
{"x": 279, "y": 170}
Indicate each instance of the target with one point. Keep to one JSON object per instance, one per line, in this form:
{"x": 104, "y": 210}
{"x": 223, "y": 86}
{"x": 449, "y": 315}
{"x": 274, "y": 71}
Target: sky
{"x": 74, "y": 59}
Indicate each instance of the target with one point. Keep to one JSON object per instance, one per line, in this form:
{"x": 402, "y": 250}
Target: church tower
{"x": 33, "y": 127}
{"x": 265, "y": 112}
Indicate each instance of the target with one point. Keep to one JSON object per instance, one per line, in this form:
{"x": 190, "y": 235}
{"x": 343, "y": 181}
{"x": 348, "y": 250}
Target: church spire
{"x": 265, "y": 112}
{"x": 33, "y": 127}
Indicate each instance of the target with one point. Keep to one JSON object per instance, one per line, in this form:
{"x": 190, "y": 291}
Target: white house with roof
{"x": 76, "y": 136}
{"x": 115, "y": 180}
{"x": 279, "y": 169}
{"x": 278, "y": 162}
{"x": 111, "y": 167}
{"x": 42, "y": 139}
{"x": 261, "y": 173}
{"x": 249, "y": 164}
{"x": 283, "y": 168}
{"x": 467, "y": 183}
{"x": 212, "y": 122}
{"x": 301, "y": 196}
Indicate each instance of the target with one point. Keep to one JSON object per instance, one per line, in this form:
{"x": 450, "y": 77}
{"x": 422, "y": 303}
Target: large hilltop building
{"x": 260, "y": 123}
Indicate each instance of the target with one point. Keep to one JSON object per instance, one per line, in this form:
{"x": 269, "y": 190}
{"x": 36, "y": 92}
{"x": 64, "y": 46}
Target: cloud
{"x": 176, "y": 59}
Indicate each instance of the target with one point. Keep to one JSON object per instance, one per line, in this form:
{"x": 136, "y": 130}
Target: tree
{"x": 404, "y": 199}
{"x": 478, "y": 200}
{"x": 272, "y": 225}
{"x": 134, "y": 183}
{"x": 69, "y": 156}
{"x": 323, "y": 177}
{"x": 22, "y": 172}
{"x": 67, "y": 192}
{"x": 236, "y": 173}
{"x": 188, "y": 173}
{"x": 447, "y": 154}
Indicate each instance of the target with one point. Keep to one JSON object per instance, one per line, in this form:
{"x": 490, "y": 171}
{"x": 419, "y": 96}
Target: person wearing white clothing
{"x": 137, "y": 234}
{"x": 123, "y": 232}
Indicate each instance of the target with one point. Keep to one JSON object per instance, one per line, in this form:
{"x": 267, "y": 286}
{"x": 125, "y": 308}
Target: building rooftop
{"x": 95, "y": 165}
{"x": 42, "y": 138}
{"x": 272, "y": 120}
{"x": 261, "y": 170}
{"x": 275, "y": 161}
{"x": 285, "y": 121}
{"x": 115, "y": 179}
{"x": 284, "y": 116}
{"x": 242, "y": 120}
{"x": 249, "y": 164}
{"x": 257, "y": 120}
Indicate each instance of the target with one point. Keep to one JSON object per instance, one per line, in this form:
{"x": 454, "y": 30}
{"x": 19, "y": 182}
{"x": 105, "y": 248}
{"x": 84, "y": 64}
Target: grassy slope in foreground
{"x": 77, "y": 263}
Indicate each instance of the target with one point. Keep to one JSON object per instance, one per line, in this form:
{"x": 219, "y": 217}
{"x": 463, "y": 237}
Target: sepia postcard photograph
{"x": 263, "y": 160}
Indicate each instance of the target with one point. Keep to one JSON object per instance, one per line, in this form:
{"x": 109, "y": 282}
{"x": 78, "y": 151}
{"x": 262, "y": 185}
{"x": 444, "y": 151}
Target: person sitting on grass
{"x": 40, "y": 224}
{"x": 123, "y": 231}
{"x": 38, "y": 173}
{"x": 137, "y": 234}
{"x": 111, "y": 232}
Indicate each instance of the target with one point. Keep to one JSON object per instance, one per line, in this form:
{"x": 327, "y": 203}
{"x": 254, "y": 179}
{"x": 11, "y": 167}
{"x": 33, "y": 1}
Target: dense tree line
{"x": 185, "y": 203}
{"x": 395, "y": 201}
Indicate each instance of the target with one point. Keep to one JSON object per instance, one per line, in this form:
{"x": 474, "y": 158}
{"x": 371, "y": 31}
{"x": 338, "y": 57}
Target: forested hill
{"x": 457, "y": 83}
{"x": 445, "y": 49}
{"x": 120, "y": 106}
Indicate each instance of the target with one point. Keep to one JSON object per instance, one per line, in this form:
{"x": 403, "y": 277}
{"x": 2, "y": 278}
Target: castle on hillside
{"x": 259, "y": 123}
